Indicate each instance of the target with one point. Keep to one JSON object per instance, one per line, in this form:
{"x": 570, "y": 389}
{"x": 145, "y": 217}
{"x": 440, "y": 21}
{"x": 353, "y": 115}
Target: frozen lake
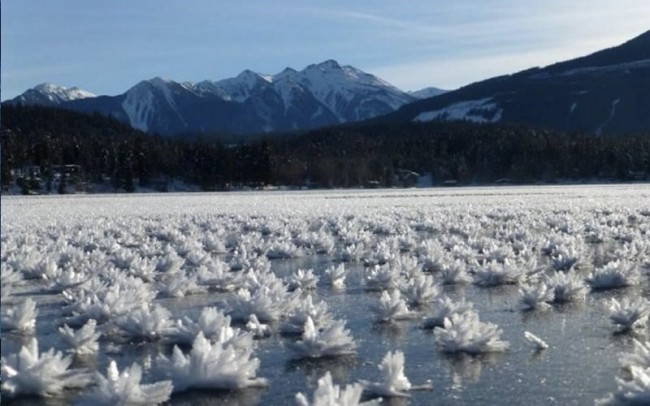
{"x": 312, "y": 230}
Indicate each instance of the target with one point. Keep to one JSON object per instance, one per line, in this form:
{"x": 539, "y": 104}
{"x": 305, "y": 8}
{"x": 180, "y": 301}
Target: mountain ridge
{"x": 321, "y": 94}
{"x": 607, "y": 91}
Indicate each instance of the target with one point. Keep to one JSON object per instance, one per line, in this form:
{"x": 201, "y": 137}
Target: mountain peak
{"x": 327, "y": 65}
{"x": 159, "y": 81}
{"x": 249, "y": 76}
{"x": 47, "y": 87}
{"x": 49, "y": 94}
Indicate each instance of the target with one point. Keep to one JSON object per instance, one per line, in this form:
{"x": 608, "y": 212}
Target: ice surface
{"x": 133, "y": 247}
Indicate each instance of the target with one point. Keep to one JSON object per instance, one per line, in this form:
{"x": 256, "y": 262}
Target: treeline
{"x": 110, "y": 151}
{"x": 345, "y": 156}
{"x": 466, "y": 153}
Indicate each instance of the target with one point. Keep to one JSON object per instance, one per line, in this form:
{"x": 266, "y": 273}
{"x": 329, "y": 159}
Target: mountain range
{"x": 320, "y": 95}
{"x": 607, "y": 92}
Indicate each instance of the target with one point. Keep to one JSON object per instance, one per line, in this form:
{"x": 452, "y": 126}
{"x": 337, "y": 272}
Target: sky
{"x": 106, "y": 47}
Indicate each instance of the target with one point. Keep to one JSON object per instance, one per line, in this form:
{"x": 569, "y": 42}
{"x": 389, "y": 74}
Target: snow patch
{"x": 612, "y": 112}
{"x": 60, "y": 94}
{"x": 478, "y": 111}
{"x": 644, "y": 63}
{"x": 139, "y": 106}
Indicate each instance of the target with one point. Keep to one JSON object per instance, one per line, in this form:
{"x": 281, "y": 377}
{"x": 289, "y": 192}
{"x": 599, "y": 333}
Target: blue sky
{"x": 108, "y": 46}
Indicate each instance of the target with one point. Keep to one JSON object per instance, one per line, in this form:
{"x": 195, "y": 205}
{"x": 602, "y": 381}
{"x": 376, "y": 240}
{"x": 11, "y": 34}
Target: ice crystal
{"x": 21, "y": 317}
{"x": 124, "y": 388}
{"x": 46, "y": 374}
{"x": 392, "y": 307}
{"x": 328, "y": 394}
{"x": 211, "y": 366}
{"x": 629, "y": 313}
{"x": 466, "y": 333}
{"x": 84, "y": 340}
{"x": 334, "y": 340}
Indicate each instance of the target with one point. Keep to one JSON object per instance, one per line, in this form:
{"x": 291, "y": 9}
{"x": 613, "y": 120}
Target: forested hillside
{"x": 111, "y": 153}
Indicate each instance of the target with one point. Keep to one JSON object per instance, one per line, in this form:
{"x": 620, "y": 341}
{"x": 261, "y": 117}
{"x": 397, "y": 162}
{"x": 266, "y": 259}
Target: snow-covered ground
{"x": 194, "y": 294}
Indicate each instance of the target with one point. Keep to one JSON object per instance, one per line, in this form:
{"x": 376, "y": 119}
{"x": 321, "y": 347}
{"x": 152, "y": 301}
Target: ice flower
{"x": 178, "y": 285}
{"x": 628, "y": 313}
{"x": 615, "y": 274}
{"x": 392, "y": 307}
{"x": 566, "y": 258}
{"x": 283, "y": 250}
{"x": 216, "y": 276}
{"x": 145, "y": 323}
{"x": 46, "y": 374}
{"x": 303, "y": 279}
{"x": 169, "y": 264}
{"x": 48, "y": 267}
{"x": 124, "y": 388}
{"x": 350, "y": 253}
{"x": 318, "y": 243}
{"x": 328, "y": 394}
{"x": 420, "y": 289}
{"x": 66, "y": 278}
{"x": 567, "y": 287}
{"x": 443, "y": 308}
{"x": 636, "y": 390}
{"x": 640, "y": 355}
{"x": 125, "y": 294}
{"x": 9, "y": 279}
{"x": 536, "y": 296}
{"x": 295, "y": 321}
{"x": 434, "y": 257}
{"x": 9, "y": 275}
{"x": 258, "y": 329}
{"x": 408, "y": 265}
{"x": 211, "y": 366}
{"x": 214, "y": 325}
{"x": 84, "y": 340}
{"x": 394, "y": 382}
{"x": 197, "y": 257}
{"x": 336, "y": 276}
{"x": 496, "y": 273}
{"x": 26, "y": 260}
{"x": 124, "y": 258}
{"x": 214, "y": 245}
{"x": 466, "y": 333}
{"x": 493, "y": 252}
{"x": 268, "y": 303}
{"x": 381, "y": 254}
{"x": 21, "y": 317}
{"x": 453, "y": 273}
{"x": 334, "y": 340}
{"x": 383, "y": 277}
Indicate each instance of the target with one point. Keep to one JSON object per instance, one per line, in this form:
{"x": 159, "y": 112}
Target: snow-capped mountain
{"x": 605, "y": 92}
{"x": 319, "y": 95}
{"x": 48, "y": 94}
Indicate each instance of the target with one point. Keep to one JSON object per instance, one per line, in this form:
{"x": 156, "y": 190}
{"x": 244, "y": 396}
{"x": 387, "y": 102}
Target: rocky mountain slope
{"x": 605, "y": 92}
